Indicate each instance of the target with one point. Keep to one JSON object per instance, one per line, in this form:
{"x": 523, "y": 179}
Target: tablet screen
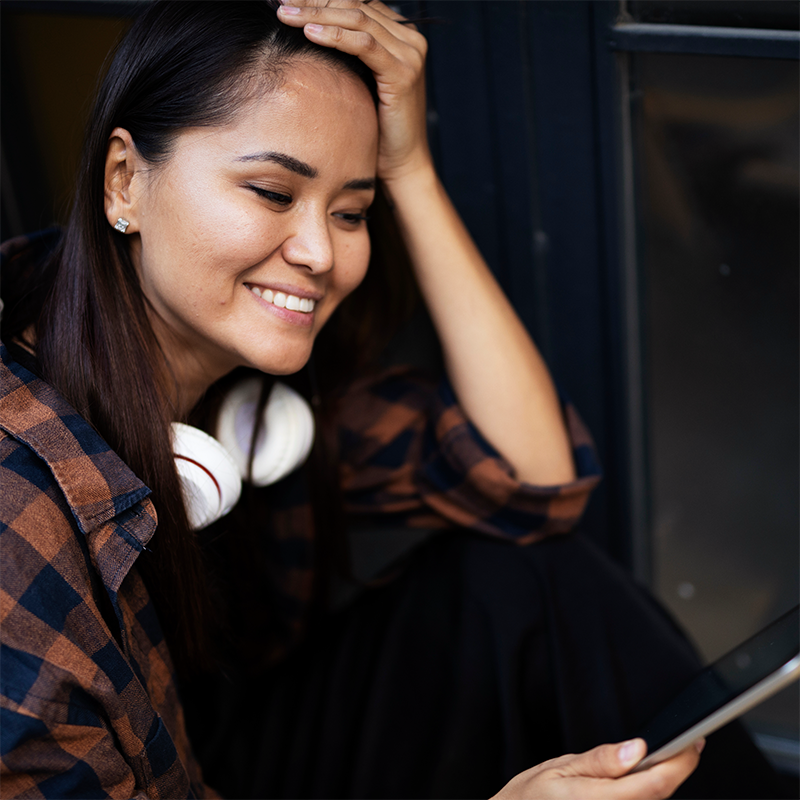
{"x": 726, "y": 679}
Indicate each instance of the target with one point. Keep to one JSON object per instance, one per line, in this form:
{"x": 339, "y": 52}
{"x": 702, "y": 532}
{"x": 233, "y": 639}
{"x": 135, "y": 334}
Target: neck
{"x": 187, "y": 371}
{"x": 185, "y": 384}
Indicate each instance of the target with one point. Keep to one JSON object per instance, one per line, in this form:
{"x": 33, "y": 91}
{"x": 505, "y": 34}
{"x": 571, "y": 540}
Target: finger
{"x": 660, "y": 781}
{"x": 390, "y": 13}
{"x": 369, "y": 47}
{"x": 318, "y": 3}
{"x": 355, "y": 32}
{"x": 376, "y": 5}
{"x": 607, "y": 760}
{"x": 656, "y": 783}
{"x": 354, "y": 16}
{"x": 311, "y": 11}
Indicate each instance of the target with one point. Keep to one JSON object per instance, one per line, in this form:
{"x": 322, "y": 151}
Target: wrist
{"x": 416, "y": 179}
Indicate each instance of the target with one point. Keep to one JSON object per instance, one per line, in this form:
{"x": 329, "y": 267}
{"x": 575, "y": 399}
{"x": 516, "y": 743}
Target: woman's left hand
{"x": 395, "y": 52}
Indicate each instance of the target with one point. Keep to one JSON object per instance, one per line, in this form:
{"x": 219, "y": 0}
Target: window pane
{"x": 717, "y": 150}
{"x": 777, "y": 14}
{"x": 50, "y": 63}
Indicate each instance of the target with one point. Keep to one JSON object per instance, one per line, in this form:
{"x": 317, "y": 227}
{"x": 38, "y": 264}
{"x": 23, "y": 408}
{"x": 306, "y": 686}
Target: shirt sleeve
{"x": 408, "y": 450}
{"x": 50, "y": 759}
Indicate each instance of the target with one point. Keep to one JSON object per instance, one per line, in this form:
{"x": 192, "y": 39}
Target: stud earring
{"x": 121, "y": 225}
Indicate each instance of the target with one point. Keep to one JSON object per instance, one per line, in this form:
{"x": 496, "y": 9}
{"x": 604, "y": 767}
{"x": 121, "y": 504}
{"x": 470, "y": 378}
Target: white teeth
{"x": 282, "y": 300}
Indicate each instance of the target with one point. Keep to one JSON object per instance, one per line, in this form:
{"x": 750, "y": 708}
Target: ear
{"x": 123, "y": 173}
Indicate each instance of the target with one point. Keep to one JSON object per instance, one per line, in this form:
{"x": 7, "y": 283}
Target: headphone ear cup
{"x": 284, "y": 440}
{"x": 289, "y": 428}
{"x": 209, "y": 477}
{"x": 211, "y": 470}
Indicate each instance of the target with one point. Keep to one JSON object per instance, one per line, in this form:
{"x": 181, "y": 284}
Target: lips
{"x": 305, "y": 305}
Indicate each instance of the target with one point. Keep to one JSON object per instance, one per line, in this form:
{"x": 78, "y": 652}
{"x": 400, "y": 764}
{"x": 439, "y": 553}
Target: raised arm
{"x": 498, "y": 374}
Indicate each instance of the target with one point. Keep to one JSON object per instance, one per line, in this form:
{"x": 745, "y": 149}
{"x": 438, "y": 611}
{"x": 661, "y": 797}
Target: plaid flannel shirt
{"x": 88, "y": 696}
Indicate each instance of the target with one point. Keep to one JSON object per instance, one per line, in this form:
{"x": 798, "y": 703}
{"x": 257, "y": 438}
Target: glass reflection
{"x": 717, "y": 145}
{"x": 774, "y": 14}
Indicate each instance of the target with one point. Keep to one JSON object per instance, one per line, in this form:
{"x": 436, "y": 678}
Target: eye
{"x": 274, "y": 197}
{"x": 351, "y": 218}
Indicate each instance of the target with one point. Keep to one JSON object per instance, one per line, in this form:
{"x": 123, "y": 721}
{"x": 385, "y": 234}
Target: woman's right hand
{"x": 602, "y": 774}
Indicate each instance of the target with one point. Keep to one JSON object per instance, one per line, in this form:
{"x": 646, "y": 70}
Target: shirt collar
{"x": 96, "y": 483}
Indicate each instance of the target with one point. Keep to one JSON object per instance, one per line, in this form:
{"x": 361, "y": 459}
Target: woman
{"x": 220, "y": 219}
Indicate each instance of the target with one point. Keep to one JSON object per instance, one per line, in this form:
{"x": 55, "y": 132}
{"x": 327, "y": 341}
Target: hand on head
{"x": 395, "y": 52}
{"x": 602, "y": 774}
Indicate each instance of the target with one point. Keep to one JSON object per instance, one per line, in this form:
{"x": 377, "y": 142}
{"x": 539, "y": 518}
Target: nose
{"x": 310, "y": 245}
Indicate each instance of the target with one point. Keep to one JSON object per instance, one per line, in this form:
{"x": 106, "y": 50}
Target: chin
{"x": 287, "y": 366}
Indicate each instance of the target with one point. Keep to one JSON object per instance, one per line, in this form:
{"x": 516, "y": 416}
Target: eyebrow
{"x": 303, "y": 169}
{"x": 366, "y": 184}
{"x": 288, "y": 162}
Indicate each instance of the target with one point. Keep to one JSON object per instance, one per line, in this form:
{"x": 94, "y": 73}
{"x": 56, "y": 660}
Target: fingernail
{"x": 628, "y": 752}
{"x": 700, "y": 745}
{"x": 312, "y": 28}
{"x": 289, "y": 10}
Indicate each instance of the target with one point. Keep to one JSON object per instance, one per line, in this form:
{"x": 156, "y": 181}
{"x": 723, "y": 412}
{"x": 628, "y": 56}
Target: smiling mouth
{"x": 305, "y": 305}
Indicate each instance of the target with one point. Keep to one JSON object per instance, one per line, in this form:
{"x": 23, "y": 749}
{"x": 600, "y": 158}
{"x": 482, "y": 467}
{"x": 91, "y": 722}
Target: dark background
{"x": 632, "y": 180}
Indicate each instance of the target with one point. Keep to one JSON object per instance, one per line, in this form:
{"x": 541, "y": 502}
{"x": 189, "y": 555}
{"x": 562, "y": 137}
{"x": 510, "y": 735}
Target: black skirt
{"x": 480, "y": 660}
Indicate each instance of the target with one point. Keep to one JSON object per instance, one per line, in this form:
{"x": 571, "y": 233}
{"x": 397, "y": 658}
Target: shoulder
{"x": 46, "y": 444}
{"x": 68, "y": 540}
{"x": 69, "y": 507}
{"x": 43, "y": 470}
{"x": 31, "y": 433}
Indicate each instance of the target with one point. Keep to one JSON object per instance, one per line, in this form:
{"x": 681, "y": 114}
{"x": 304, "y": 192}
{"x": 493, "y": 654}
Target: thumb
{"x": 608, "y": 760}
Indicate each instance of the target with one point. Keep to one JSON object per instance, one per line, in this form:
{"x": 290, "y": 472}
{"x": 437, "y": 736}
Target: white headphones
{"x": 211, "y": 469}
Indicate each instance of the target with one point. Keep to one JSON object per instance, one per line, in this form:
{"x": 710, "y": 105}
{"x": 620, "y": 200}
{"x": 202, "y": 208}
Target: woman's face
{"x": 251, "y": 234}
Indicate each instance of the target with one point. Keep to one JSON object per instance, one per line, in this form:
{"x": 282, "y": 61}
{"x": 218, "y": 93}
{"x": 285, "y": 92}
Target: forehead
{"x": 320, "y": 115}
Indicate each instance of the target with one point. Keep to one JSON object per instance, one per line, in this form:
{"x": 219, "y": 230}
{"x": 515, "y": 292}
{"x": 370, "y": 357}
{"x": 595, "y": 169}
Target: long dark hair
{"x": 182, "y": 64}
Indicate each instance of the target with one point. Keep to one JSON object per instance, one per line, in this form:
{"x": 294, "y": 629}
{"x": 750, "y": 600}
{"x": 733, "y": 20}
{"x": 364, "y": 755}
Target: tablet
{"x": 740, "y": 680}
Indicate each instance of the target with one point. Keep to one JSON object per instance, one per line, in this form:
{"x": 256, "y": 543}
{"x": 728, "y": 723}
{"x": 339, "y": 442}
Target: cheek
{"x": 349, "y": 272}
{"x": 354, "y": 266}
{"x": 196, "y": 219}
{"x": 223, "y": 229}
{"x": 206, "y": 253}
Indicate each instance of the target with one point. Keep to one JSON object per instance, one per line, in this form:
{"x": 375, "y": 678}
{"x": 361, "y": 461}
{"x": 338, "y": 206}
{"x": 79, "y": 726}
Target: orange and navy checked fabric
{"x": 409, "y": 458}
{"x": 88, "y": 699}
{"x": 407, "y": 449}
